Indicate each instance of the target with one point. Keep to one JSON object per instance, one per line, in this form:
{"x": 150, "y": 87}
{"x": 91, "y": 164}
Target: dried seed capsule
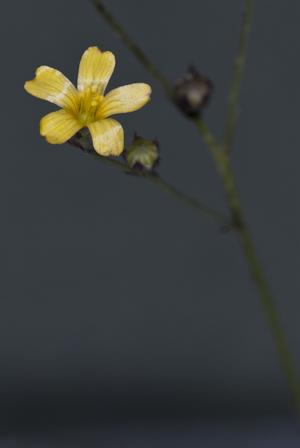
{"x": 193, "y": 92}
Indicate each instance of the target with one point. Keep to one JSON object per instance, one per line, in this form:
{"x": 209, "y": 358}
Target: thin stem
{"x": 167, "y": 188}
{"x": 267, "y": 301}
{"x": 144, "y": 60}
{"x": 239, "y": 65}
{"x": 140, "y": 55}
{"x": 109, "y": 161}
{"x": 238, "y": 223}
{"x": 208, "y": 137}
{"x": 280, "y": 340}
{"x": 223, "y": 166}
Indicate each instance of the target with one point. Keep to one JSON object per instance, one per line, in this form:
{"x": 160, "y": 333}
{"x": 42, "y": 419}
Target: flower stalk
{"x": 154, "y": 178}
{"x": 267, "y": 301}
{"x": 135, "y": 49}
{"x": 220, "y": 157}
{"x": 239, "y": 65}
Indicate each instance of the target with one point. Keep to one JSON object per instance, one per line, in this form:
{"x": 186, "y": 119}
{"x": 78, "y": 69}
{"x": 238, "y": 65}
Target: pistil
{"x": 90, "y": 100}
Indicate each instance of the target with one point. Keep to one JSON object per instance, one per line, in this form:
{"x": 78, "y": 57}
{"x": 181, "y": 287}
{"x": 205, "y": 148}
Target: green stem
{"x": 223, "y": 165}
{"x": 208, "y": 137}
{"x": 140, "y": 55}
{"x": 239, "y": 65}
{"x": 224, "y": 169}
{"x": 108, "y": 161}
{"x": 267, "y": 301}
{"x": 167, "y": 188}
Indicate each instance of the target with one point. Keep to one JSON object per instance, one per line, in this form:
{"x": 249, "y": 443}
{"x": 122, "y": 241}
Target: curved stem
{"x": 223, "y": 166}
{"x": 145, "y": 61}
{"x": 237, "y": 77}
{"x": 167, "y": 188}
{"x": 129, "y": 42}
{"x": 208, "y": 137}
{"x": 267, "y": 301}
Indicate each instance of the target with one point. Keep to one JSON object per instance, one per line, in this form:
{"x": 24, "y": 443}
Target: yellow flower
{"x": 87, "y": 106}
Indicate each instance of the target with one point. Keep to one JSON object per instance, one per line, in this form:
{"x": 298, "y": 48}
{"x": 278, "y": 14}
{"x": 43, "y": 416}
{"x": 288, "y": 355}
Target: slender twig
{"x": 145, "y": 61}
{"x": 208, "y": 137}
{"x": 140, "y": 55}
{"x": 109, "y": 161}
{"x": 223, "y": 166}
{"x": 267, "y": 301}
{"x": 282, "y": 346}
{"x": 238, "y": 224}
{"x": 167, "y": 188}
{"x": 237, "y": 78}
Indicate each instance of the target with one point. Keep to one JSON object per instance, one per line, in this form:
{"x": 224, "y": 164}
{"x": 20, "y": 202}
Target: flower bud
{"x": 142, "y": 155}
{"x": 193, "y": 92}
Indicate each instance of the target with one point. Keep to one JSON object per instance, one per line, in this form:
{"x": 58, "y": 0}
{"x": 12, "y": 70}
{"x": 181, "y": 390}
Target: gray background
{"x": 117, "y": 303}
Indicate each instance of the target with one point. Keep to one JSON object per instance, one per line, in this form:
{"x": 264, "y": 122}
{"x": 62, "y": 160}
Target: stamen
{"x": 90, "y": 100}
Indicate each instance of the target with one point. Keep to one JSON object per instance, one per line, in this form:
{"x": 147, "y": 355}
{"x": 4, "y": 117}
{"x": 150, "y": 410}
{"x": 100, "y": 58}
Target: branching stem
{"x": 221, "y": 159}
{"x": 239, "y": 65}
{"x": 167, "y": 188}
{"x": 139, "y": 54}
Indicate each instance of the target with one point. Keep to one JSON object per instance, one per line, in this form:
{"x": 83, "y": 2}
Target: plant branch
{"x": 145, "y": 61}
{"x": 239, "y": 65}
{"x": 167, "y": 188}
{"x": 129, "y": 42}
{"x": 282, "y": 346}
{"x": 267, "y": 301}
{"x": 224, "y": 169}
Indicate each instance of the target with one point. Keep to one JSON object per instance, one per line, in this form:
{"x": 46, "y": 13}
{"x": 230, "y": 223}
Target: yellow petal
{"x": 108, "y": 137}
{"x": 124, "y": 99}
{"x": 51, "y": 85}
{"x": 95, "y": 70}
{"x": 60, "y": 126}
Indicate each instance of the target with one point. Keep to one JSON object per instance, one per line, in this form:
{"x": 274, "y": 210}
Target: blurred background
{"x": 126, "y": 318}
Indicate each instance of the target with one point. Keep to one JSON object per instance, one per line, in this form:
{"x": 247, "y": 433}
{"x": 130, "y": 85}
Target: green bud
{"x": 193, "y": 92}
{"x": 142, "y": 155}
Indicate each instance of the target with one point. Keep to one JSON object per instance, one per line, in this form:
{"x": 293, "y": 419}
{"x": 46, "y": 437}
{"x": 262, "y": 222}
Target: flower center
{"x": 89, "y": 101}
